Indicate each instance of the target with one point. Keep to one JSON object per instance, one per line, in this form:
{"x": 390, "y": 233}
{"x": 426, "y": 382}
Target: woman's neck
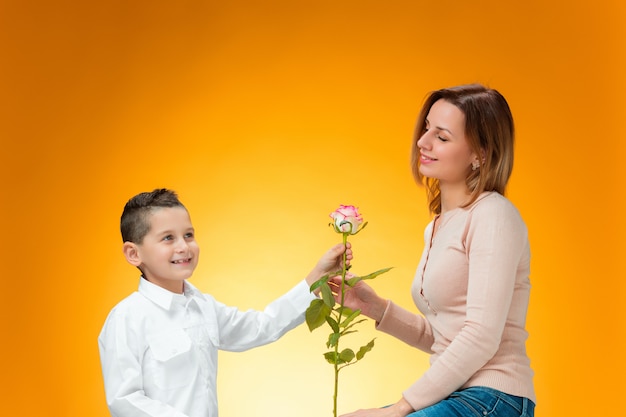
{"x": 453, "y": 196}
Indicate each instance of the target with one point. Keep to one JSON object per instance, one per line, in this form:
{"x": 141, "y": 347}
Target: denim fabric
{"x": 479, "y": 402}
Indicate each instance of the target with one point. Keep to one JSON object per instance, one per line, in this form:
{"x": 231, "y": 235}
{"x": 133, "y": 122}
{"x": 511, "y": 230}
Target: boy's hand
{"x": 330, "y": 262}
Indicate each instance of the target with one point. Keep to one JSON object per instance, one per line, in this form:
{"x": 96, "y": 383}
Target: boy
{"x": 158, "y": 346}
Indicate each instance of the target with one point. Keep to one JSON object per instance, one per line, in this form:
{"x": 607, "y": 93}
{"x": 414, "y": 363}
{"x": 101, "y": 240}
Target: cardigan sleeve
{"x": 411, "y": 328}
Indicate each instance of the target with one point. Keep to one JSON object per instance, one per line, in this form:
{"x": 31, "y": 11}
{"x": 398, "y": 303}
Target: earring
{"x": 475, "y": 165}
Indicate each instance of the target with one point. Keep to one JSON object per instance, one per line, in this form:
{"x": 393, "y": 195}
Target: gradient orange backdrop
{"x": 264, "y": 116}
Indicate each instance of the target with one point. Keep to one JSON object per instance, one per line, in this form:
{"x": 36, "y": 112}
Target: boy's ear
{"x": 131, "y": 253}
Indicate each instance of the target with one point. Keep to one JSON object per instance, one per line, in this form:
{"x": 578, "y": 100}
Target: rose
{"x": 325, "y": 310}
{"x": 346, "y": 219}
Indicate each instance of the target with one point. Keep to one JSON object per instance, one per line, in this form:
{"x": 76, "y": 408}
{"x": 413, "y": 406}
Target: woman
{"x": 471, "y": 285}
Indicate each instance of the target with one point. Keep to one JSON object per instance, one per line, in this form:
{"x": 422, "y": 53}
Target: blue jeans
{"x": 479, "y": 402}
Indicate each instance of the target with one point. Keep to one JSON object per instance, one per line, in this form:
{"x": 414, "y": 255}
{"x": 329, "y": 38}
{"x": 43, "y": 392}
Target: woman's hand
{"x": 399, "y": 409}
{"x": 360, "y": 297}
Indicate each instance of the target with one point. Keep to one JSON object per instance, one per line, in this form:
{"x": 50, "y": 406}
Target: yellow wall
{"x": 264, "y": 116}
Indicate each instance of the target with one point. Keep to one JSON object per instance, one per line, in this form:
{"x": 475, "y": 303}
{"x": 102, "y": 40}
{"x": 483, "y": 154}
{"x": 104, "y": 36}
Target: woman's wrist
{"x": 403, "y": 407}
{"x": 378, "y": 312}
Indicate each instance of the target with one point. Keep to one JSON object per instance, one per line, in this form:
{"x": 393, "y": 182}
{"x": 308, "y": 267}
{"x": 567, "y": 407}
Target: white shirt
{"x": 159, "y": 349}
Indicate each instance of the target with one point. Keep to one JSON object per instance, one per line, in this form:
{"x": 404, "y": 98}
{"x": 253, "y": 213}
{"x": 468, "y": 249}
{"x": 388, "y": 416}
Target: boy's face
{"x": 169, "y": 252}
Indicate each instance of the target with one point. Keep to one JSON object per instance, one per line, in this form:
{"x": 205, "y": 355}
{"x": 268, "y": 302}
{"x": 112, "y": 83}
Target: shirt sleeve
{"x": 248, "y": 329}
{"x": 120, "y": 352}
{"x": 495, "y": 243}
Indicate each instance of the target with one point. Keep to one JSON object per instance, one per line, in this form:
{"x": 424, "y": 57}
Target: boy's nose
{"x": 182, "y": 245}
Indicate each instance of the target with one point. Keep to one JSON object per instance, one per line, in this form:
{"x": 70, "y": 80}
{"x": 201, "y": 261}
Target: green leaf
{"x": 316, "y": 314}
{"x": 331, "y": 357}
{"x": 351, "y": 317}
{"x": 355, "y": 323}
{"x": 346, "y": 355}
{"x": 352, "y": 281}
{"x": 332, "y": 323}
{"x": 327, "y": 295}
{"x": 346, "y": 311}
{"x": 319, "y": 282}
{"x": 364, "y": 350}
{"x": 333, "y": 338}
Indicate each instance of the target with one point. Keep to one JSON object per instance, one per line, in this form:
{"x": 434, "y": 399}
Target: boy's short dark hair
{"x": 135, "y": 221}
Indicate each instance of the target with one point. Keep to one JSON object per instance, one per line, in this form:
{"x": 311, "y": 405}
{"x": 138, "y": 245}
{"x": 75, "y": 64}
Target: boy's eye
{"x": 168, "y": 237}
{"x": 189, "y": 235}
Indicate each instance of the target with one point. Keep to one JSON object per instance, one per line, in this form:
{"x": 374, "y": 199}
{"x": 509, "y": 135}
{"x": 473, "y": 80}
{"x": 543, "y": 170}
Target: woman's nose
{"x": 423, "y": 141}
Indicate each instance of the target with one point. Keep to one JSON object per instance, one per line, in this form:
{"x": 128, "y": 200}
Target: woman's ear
{"x": 478, "y": 159}
{"x": 131, "y": 252}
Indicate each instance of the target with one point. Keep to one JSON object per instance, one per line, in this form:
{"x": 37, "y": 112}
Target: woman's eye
{"x": 441, "y": 138}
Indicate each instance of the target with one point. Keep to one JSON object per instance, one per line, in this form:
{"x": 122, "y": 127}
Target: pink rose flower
{"x": 329, "y": 307}
{"x": 346, "y": 219}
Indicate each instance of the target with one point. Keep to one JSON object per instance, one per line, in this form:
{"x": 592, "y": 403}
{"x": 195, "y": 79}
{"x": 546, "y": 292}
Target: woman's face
{"x": 445, "y": 153}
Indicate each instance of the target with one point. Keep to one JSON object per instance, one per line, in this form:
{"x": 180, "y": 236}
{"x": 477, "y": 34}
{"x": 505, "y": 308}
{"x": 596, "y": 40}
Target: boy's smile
{"x": 169, "y": 252}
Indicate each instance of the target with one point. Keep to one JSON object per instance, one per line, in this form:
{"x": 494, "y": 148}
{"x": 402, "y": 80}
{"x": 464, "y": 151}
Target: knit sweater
{"x": 472, "y": 288}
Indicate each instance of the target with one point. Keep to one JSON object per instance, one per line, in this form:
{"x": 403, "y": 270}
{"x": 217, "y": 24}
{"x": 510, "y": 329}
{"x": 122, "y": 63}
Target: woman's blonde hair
{"x": 489, "y": 131}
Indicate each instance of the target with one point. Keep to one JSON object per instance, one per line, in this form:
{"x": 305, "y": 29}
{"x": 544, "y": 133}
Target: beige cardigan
{"x": 472, "y": 288}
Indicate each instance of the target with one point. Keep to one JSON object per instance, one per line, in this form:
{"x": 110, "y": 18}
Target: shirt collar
{"x": 162, "y": 297}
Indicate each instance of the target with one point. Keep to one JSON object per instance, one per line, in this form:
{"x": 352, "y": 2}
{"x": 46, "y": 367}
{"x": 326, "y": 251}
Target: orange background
{"x": 264, "y": 116}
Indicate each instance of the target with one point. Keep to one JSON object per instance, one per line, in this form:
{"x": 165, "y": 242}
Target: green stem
{"x": 343, "y": 292}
